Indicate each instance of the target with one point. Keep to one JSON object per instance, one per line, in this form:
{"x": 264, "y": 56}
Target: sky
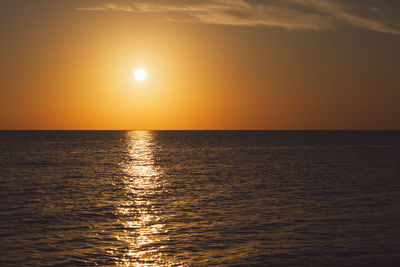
{"x": 213, "y": 64}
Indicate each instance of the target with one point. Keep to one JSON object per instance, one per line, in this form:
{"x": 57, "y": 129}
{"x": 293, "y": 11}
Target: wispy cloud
{"x": 357, "y": 13}
{"x": 108, "y": 7}
{"x": 288, "y": 14}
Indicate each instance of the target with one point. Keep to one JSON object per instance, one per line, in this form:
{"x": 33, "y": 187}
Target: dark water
{"x": 199, "y": 198}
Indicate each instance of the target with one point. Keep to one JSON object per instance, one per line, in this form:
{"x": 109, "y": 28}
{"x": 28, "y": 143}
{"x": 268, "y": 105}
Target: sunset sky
{"x": 213, "y": 64}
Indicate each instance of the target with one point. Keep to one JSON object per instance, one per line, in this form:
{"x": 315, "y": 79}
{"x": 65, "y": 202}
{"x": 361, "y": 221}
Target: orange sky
{"x": 69, "y": 65}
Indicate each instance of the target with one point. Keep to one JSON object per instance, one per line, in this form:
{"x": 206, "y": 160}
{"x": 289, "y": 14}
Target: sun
{"x": 140, "y": 74}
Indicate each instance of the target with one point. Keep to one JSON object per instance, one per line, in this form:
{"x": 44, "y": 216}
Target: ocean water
{"x": 200, "y": 198}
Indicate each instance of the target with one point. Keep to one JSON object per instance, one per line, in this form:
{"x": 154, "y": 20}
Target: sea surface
{"x": 200, "y": 198}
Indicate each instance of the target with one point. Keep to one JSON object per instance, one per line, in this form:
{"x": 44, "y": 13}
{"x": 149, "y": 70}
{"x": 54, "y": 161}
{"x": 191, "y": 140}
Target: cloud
{"x": 358, "y": 13}
{"x": 287, "y": 14}
{"x": 108, "y": 7}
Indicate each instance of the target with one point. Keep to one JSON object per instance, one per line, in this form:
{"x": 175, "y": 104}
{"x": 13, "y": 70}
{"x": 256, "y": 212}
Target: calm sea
{"x": 200, "y": 198}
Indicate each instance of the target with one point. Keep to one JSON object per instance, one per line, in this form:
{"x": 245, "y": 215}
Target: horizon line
{"x": 116, "y": 130}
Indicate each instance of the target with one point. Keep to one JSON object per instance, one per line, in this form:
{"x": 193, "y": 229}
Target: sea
{"x": 199, "y": 198}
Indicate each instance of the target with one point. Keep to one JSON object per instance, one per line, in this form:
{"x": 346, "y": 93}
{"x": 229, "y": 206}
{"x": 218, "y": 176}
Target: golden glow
{"x": 141, "y": 220}
{"x": 140, "y": 74}
{"x": 198, "y": 77}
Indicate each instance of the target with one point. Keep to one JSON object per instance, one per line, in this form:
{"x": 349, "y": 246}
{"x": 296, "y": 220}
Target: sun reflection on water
{"x": 140, "y": 216}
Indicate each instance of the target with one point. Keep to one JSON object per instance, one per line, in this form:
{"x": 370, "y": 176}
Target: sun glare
{"x": 140, "y": 74}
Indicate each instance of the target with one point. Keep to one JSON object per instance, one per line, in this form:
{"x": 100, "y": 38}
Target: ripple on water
{"x": 199, "y": 198}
